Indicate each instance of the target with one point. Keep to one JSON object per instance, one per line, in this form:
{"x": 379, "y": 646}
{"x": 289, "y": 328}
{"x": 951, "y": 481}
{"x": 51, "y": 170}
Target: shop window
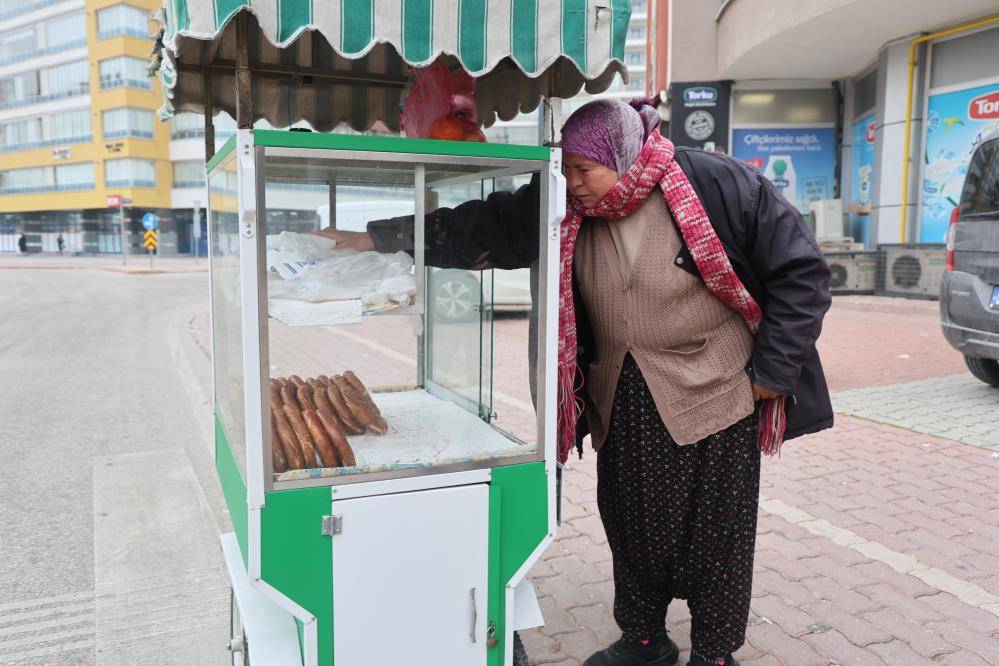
{"x": 127, "y": 121}
{"x": 75, "y": 176}
{"x": 130, "y": 172}
{"x": 122, "y": 20}
{"x": 965, "y": 59}
{"x": 66, "y": 31}
{"x": 124, "y": 72}
{"x": 19, "y": 181}
{"x": 71, "y": 78}
{"x": 803, "y": 106}
{"x": 70, "y": 125}
{"x": 865, "y": 93}
{"x": 189, "y": 174}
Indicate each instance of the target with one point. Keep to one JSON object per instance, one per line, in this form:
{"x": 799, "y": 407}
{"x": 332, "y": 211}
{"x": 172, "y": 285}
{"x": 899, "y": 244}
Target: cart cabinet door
{"x": 409, "y": 578}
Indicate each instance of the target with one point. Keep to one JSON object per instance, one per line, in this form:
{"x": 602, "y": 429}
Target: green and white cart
{"x": 416, "y": 553}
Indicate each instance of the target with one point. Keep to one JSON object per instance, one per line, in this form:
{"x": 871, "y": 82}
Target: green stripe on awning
{"x": 621, "y": 10}
{"x": 574, "y": 31}
{"x": 472, "y": 34}
{"x": 182, "y": 21}
{"x": 226, "y": 8}
{"x": 524, "y": 33}
{"x": 293, "y": 15}
{"x": 417, "y": 30}
{"x": 357, "y": 24}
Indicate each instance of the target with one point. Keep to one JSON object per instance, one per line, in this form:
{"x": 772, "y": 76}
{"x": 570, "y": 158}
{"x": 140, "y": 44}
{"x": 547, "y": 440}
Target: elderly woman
{"x": 692, "y": 295}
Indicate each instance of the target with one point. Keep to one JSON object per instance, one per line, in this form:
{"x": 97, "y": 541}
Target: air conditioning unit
{"x": 853, "y": 272}
{"x": 912, "y": 270}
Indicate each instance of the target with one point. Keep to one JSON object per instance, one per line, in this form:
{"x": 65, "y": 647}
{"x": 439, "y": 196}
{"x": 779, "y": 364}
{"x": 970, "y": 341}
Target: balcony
{"x": 83, "y": 89}
{"x": 49, "y": 50}
{"x": 128, "y": 133}
{"x": 122, "y": 82}
{"x": 41, "y": 189}
{"x": 30, "y": 7}
{"x": 124, "y": 31}
{"x": 127, "y": 182}
{"x": 19, "y": 147}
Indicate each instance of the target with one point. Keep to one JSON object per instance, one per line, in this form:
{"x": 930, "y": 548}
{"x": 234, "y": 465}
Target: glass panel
{"x": 122, "y": 20}
{"x": 227, "y": 326}
{"x": 70, "y": 124}
{"x": 66, "y": 29}
{"x": 128, "y": 121}
{"x": 980, "y": 199}
{"x": 130, "y": 172}
{"x": 71, "y": 76}
{"x": 17, "y": 42}
{"x": 425, "y": 356}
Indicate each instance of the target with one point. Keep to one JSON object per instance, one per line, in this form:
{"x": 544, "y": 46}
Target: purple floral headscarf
{"x": 610, "y": 131}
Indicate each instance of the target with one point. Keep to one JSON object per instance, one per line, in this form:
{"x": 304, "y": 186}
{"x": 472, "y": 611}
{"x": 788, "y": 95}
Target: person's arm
{"x": 500, "y": 231}
{"x": 795, "y": 281}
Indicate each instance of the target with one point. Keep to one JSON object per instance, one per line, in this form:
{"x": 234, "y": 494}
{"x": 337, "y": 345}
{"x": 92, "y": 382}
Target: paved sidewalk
{"x": 876, "y": 541}
{"x": 134, "y": 264}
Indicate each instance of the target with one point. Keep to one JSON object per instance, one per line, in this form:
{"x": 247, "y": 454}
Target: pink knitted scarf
{"x": 654, "y": 166}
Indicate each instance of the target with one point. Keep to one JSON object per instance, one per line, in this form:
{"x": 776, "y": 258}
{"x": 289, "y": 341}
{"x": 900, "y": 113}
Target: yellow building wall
{"x": 99, "y": 150}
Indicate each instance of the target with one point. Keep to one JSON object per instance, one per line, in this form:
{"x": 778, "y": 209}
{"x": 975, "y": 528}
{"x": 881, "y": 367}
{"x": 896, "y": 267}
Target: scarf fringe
{"x": 772, "y": 425}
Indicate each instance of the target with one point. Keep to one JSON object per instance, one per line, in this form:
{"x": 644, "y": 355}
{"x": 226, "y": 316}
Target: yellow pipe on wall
{"x": 908, "y": 107}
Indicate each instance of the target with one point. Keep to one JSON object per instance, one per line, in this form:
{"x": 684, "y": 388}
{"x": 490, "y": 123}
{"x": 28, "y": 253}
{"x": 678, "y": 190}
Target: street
{"x": 876, "y": 539}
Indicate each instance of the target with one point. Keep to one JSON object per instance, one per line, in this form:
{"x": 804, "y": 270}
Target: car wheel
{"x": 984, "y": 369}
{"x": 455, "y": 296}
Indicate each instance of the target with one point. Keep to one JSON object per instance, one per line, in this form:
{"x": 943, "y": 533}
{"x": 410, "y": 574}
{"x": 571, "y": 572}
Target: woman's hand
{"x": 348, "y": 240}
{"x": 761, "y": 392}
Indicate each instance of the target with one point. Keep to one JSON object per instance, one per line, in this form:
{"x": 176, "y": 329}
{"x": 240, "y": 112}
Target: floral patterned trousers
{"x": 680, "y": 520}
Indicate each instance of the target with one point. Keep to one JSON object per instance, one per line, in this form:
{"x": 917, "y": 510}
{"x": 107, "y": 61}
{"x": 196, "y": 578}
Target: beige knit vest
{"x": 692, "y": 349}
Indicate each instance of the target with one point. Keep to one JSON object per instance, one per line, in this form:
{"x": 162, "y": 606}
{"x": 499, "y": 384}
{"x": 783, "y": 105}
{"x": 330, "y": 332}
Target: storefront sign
{"x": 699, "y": 113}
{"x": 956, "y": 122}
{"x": 801, "y": 163}
{"x": 62, "y": 153}
{"x": 862, "y": 178}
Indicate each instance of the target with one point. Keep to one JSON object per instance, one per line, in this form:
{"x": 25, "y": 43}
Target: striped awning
{"x": 518, "y": 50}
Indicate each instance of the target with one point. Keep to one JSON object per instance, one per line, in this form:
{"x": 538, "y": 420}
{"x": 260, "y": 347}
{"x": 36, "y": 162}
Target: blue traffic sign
{"x": 150, "y": 220}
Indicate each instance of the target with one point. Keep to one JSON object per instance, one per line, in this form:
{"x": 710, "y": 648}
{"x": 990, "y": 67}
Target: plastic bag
{"x": 441, "y": 105}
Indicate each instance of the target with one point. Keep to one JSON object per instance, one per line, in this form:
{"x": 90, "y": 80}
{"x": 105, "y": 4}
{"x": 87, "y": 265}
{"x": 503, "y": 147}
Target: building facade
{"x": 78, "y": 123}
{"x": 870, "y": 106}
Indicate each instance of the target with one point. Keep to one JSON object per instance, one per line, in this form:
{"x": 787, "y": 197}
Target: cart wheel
{"x": 238, "y": 647}
{"x": 519, "y": 651}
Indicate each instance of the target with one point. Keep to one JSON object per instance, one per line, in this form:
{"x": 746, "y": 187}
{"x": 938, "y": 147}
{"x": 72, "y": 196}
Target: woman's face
{"x": 586, "y": 179}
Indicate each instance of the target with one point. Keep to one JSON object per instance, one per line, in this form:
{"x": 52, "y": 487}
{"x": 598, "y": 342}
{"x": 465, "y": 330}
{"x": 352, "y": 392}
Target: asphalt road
{"x": 110, "y": 510}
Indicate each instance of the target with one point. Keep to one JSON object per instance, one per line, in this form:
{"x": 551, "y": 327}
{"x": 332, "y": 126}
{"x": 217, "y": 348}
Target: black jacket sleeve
{"x": 794, "y": 281}
{"x": 500, "y": 231}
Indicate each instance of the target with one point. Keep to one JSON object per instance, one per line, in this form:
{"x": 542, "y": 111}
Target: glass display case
{"x": 383, "y": 356}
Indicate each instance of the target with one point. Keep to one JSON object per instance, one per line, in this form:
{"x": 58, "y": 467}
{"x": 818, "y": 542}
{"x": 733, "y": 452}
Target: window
{"x": 192, "y": 125}
{"x": 122, "y": 20}
{"x": 75, "y": 176}
{"x": 68, "y": 29}
{"x": 980, "y": 198}
{"x": 18, "y": 88}
{"x": 188, "y": 174}
{"x": 639, "y": 6}
{"x": 128, "y": 122}
{"x": 20, "y": 133}
{"x": 70, "y": 125}
{"x": 634, "y": 57}
{"x": 124, "y": 71}
{"x": 22, "y": 180}
{"x": 636, "y": 32}
{"x": 17, "y": 43}
{"x": 636, "y": 82}
{"x": 69, "y": 78}
{"x": 130, "y": 172}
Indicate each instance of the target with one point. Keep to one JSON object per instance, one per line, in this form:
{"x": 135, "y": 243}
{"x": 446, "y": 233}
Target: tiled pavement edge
{"x": 957, "y": 407}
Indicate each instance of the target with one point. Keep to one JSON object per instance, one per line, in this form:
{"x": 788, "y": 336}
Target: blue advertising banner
{"x": 862, "y": 178}
{"x": 801, "y": 163}
{"x": 956, "y": 122}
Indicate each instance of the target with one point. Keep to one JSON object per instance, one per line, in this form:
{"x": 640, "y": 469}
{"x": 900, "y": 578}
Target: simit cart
{"x": 408, "y": 541}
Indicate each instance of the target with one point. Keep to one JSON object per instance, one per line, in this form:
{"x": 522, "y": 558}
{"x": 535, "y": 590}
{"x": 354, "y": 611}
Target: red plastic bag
{"x": 441, "y": 105}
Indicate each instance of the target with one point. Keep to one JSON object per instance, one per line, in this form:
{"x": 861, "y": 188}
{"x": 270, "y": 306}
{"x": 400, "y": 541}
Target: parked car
{"x": 454, "y": 293}
{"x": 969, "y": 291}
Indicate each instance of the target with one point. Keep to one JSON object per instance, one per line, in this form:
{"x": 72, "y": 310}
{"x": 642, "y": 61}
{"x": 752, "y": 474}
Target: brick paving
{"x": 876, "y": 541}
{"x": 135, "y": 264}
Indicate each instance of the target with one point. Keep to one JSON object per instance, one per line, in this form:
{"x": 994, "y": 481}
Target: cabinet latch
{"x": 332, "y": 525}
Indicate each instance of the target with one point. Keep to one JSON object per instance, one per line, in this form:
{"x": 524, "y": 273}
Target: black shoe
{"x": 660, "y": 651}
{"x": 698, "y": 659}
